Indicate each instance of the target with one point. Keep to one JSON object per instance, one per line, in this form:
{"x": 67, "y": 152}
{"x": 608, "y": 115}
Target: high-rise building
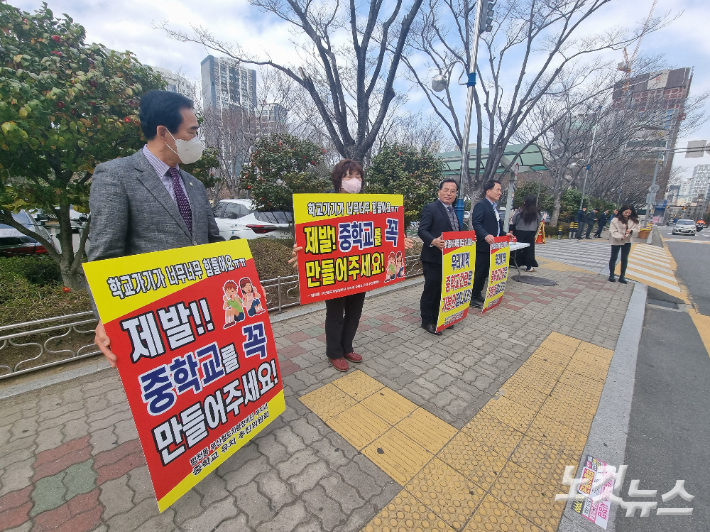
{"x": 700, "y": 182}
{"x": 227, "y": 85}
{"x": 273, "y": 113}
{"x": 659, "y": 99}
{"x": 176, "y": 82}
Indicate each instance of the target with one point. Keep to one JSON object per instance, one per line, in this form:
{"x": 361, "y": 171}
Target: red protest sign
{"x": 196, "y": 355}
{"x": 351, "y": 243}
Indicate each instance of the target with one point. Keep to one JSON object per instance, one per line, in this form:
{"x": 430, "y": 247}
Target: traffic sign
{"x": 653, "y": 189}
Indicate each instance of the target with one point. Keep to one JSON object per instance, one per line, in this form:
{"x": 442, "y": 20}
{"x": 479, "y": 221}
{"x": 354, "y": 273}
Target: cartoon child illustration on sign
{"x": 251, "y": 298}
{"x": 400, "y": 265}
{"x": 391, "y": 268}
{"x": 233, "y": 305}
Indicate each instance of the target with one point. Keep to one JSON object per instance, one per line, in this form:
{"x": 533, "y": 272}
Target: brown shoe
{"x": 353, "y": 357}
{"x": 340, "y": 363}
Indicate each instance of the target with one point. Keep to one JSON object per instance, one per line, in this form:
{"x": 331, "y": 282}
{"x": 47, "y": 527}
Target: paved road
{"x": 693, "y": 260}
{"x": 670, "y": 412}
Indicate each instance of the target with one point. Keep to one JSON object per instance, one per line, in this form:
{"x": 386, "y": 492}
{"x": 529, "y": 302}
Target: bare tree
{"x": 337, "y": 37}
{"x": 537, "y": 41}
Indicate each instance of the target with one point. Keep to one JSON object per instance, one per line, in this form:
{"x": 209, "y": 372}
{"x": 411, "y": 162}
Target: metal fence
{"x": 39, "y": 344}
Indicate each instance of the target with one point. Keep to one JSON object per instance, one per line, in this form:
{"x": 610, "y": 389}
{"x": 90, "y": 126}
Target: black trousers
{"x": 589, "y": 229}
{"x": 342, "y": 317}
{"x": 599, "y": 231}
{"x": 431, "y": 296}
{"x": 625, "y": 250}
{"x": 480, "y": 276}
{"x": 526, "y": 256}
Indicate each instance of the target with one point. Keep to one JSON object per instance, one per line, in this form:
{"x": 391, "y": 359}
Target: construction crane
{"x": 626, "y": 66}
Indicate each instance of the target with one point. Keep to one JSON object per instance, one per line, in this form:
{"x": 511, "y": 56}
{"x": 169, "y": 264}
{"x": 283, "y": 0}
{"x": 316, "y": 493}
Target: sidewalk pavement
{"x": 470, "y": 430}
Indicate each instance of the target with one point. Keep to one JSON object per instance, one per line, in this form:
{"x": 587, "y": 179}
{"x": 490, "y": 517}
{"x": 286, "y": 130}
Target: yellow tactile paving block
{"x": 358, "y": 385}
{"x": 541, "y": 366}
{"x": 589, "y": 358}
{"x": 563, "y": 339}
{"x": 389, "y": 405}
{"x": 595, "y": 350}
{"x": 328, "y": 401}
{"x": 579, "y": 397}
{"x": 543, "y": 461}
{"x": 427, "y": 430}
{"x": 494, "y": 516}
{"x": 597, "y": 372}
{"x": 509, "y": 412}
{"x": 446, "y": 491}
{"x": 591, "y": 386}
{"x": 526, "y": 396}
{"x": 545, "y": 354}
{"x": 569, "y": 414}
{"x": 404, "y": 514}
{"x": 542, "y": 382}
{"x": 556, "y": 435}
{"x": 487, "y": 431}
{"x": 560, "y": 266}
{"x": 529, "y": 496}
{"x": 358, "y": 425}
{"x": 478, "y": 463}
{"x": 397, "y": 455}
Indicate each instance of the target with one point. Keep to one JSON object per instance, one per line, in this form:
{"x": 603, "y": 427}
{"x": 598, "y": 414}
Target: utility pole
{"x": 653, "y": 189}
{"x": 589, "y": 161}
{"x": 484, "y": 20}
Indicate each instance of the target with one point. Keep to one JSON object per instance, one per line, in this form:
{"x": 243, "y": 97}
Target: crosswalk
{"x": 654, "y": 266}
{"x": 591, "y": 255}
{"x": 648, "y": 264}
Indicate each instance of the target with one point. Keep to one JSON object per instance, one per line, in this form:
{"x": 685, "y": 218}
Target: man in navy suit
{"x": 437, "y": 217}
{"x": 488, "y": 224}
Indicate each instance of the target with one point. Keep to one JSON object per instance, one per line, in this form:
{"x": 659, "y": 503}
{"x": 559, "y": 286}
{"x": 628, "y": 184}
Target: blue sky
{"x": 130, "y": 25}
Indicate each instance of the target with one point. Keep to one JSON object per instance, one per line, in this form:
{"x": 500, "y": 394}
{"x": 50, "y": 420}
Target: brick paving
{"x": 71, "y": 459}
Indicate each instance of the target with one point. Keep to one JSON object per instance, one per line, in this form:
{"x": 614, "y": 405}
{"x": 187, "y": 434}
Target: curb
{"x": 607, "y": 437}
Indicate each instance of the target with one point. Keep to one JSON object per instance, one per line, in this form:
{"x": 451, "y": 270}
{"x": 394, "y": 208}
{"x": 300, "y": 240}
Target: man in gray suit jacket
{"x": 144, "y": 202}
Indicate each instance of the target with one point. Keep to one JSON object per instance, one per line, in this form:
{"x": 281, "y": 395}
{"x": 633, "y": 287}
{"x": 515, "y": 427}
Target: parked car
{"x": 13, "y": 242}
{"x": 236, "y": 218}
{"x": 684, "y": 227}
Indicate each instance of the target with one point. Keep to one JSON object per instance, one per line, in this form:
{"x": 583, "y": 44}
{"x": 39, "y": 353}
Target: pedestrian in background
{"x": 623, "y": 226}
{"x": 592, "y": 216}
{"x": 602, "y": 223}
{"x": 525, "y": 223}
{"x": 437, "y": 217}
{"x": 581, "y": 220}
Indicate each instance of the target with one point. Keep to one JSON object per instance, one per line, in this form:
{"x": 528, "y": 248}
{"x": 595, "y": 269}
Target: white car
{"x": 684, "y": 227}
{"x": 236, "y": 218}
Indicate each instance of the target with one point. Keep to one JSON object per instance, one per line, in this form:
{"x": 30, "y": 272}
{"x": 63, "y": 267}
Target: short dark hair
{"x": 490, "y": 184}
{"x": 341, "y": 170}
{"x": 449, "y": 180}
{"x": 162, "y": 108}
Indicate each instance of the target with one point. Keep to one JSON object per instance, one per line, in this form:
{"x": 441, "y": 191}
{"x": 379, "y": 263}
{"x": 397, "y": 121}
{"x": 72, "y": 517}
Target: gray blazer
{"x": 132, "y": 212}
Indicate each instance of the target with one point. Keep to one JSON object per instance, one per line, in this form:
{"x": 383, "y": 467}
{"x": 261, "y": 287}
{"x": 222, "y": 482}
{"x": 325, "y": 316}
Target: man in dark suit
{"x": 488, "y": 224}
{"x": 592, "y": 216}
{"x": 145, "y": 202}
{"x": 437, "y": 217}
{"x": 581, "y": 220}
{"x": 602, "y": 223}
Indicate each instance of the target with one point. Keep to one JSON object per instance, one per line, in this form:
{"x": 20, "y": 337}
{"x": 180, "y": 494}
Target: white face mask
{"x": 351, "y": 186}
{"x": 189, "y": 151}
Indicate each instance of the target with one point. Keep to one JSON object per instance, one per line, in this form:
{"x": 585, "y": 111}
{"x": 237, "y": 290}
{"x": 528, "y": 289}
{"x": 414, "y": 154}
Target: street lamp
{"x": 439, "y": 83}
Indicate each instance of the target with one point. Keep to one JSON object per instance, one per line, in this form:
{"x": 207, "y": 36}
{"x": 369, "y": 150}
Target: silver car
{"x": 684, "y": 227}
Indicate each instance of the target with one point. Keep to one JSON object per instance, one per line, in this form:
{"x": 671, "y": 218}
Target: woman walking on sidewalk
{"x": 524, "y": 225}
{"x": 623, "y": 226}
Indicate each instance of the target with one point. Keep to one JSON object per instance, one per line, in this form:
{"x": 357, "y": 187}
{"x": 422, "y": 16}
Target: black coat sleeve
{"x": 477, "y": 215}
{"x": 425, "y": 225}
